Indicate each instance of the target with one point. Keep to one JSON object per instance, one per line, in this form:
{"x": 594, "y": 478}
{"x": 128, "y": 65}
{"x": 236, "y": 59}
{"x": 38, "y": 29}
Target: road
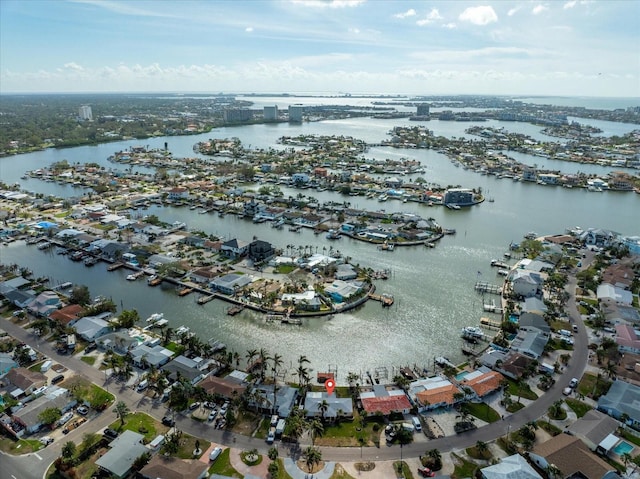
{"x": 25, "y": 467}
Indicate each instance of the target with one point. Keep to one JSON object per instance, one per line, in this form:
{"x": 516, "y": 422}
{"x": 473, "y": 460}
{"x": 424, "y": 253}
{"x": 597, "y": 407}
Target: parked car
{"x": 194, "y": 405}
{"x": 223, "y": 409}
{"x": 57, "y": 379}
{"x": 212, "y": 415}
{"x": 573, "y": 383}
{"x": 215, "y": 453}
{"x": 46, "y": 440}
{"x": 426, "y": 472}
{"x": 209, "y": 405}
{"x": 111, "y": 433}
{"x": 168, "y": 421}
{"x": 82, "y": 410}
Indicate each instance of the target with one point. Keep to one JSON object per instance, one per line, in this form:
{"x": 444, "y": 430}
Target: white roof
{"x": 609, "y": 442}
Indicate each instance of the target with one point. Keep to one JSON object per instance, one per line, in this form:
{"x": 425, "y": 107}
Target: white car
{"x": 215, "y": 453}
{"x": 212, "y": 415}
{"x": 46, "y": 440}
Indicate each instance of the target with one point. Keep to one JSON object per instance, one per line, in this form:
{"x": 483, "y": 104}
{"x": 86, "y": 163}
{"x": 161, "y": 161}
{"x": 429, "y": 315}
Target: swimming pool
{"x": 460, "y": 376}
{"x": 622, "y": 447}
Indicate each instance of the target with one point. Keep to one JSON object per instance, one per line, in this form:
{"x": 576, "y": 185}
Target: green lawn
{"x": 592, "y": 386}
{"x": 629, "y": 436}
{"x": 140, "y": 423}
{"x": 406, "y": 470}
{"x": 349, "y": 433}
{"x": 223, "y": 466}
{"x": 188, "y": 445}
{"x": 579, "y": 407}
{"x": 90, "y": 360}
{"x": 549, "y": 428}
{"x": 22, "y": 446}
{"x": 524, "y": 392}
{"x": 514, "y": 407}
{"x": 463, "y": 468}
{"x": 483, "y": 412}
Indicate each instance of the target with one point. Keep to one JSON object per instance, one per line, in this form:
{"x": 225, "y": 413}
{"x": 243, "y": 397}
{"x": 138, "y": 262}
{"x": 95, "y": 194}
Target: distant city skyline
{"x": 492, "y": 47}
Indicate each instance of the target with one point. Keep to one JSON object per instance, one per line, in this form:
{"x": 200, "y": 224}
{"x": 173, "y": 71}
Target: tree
{"x": 128, "y": 318}
{"x": 323, "y": 407}
{"x": 434, "y": 459}
{"x": 50, "y": 416}
{"x": 80, "y": 295}
{"x": 482, "y": 448}
{"x": 315, "y": 428}
{"x": 68, "y": 451}
{"x": 312, "y": 456}
{"x": 121, "y": 409}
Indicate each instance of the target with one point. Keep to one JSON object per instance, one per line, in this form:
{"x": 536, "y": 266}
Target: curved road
{"x": 33, "y": 466}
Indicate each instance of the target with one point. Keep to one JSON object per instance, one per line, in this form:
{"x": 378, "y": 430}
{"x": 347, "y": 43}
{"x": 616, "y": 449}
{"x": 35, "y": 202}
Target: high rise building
{"x": 84, "y": 112}
{"x": 237, "y": 115}
{"x": 423, "y": 109}
{"x": 295, "y": 113}
{"x": 270, "y": 113}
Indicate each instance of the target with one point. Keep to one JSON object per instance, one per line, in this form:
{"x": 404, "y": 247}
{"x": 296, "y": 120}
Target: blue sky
{"x": 564, "y": 47}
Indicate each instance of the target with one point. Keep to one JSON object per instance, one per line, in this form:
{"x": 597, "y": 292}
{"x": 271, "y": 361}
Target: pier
{"x": 114, "y": 266}
{"x": 484, "y": 287}
{"x": 204, "y": 299}
{"x": 233, "y": 310}
{"x": 386, "y": 299}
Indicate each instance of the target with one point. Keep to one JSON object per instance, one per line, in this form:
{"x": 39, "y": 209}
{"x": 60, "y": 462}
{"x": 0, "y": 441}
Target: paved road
{"x": 25, "y": 467}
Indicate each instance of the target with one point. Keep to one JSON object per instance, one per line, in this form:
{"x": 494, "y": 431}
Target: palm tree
{"x": 251, "y": 353}
{"x": 263, "y": 355}
{"x": 315, "y": 428}
{"x": 312, "y": 457}
{"x": 482, "y": 448}
{"x": 277, "y": 362}
{"x": 553, "y": 471}
{"x": 121, "y": 409}
{"x": 323, "y": 407}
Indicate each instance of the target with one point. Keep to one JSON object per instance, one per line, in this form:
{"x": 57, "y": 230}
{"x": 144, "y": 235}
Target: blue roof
{"x": 47, "y": 224}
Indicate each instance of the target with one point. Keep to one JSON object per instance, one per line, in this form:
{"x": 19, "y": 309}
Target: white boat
{"x": 155, "y": 317}
{"x": 182, "y": 330}
{"x": 472, "y": 332}
{"x": 333, "y": 235}
{"x": 383, "y": 198}
{"x": 131, "y": 277}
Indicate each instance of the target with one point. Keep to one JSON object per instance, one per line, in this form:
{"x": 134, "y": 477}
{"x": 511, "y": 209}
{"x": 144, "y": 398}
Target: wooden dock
{"x": 115, "y": 266}
{"x": 233, "y": 310}
{"x": 386, "y": 299}
{"x": 154, "y": 281}
{"x": 205, "y": 298}
{"x": 484, "y": 287}
{"x": 185, "y": 291}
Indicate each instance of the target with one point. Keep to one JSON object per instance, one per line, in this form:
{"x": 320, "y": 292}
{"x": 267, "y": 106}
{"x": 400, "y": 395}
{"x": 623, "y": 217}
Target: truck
{"x": 280, "y": 427}
{"x": 271, "y": 436}
{"x": 71, "y": 342}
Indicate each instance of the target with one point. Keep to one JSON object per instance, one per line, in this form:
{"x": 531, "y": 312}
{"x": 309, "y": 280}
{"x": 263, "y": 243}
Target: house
{"x": 619, "y": 274}
{"x": 178, "y": 193}
{"x": 285, "y": 399}
{"x": 340, "y": 290}
{"x": 533, "y": 305}
{"x": 44, "y": 304}
{"x": 230, "y": 283}
{"x": 184, "y": 367}
{"x": 533, "y": 320}
{"x": 622, "y": 398}
{"x": 384, "y": 400}
{"x": 91, "y": 328}
{"x": 619, "y": 313}
{"x": 609, "y": 292}
{"x": 25, "y": 381}
{"x": 174, "y": 468}
{"x": 307, "y": 300}
{"x": 627, "y": 339}
{"x": 123, "y": 451}
{"x": 64, "y": 316}
{"x": 55, "y": 397}
{"x": 530, "y": 341}
{"x": 227, "y": 387}
{"x": 234, "y": 248}
{"x": 144, "y": 356}
{"x": 483, "y": 381}
{"x": 593, "y": 428}
{"x": 511, "y": 467}
{"x": 119, "y": 342}
{"x": 526, "y": 283}
{"x": 571, "y": 457}
{"x": 598, "y": 237}
{"x": 345, "y": 272}
{"x": 261, "y": 251}
{"x": 6, "y": 364}
{"x": 509, "y": 363}
{"x": 316, "y": 401}
{"x": 203, "y": 275}
{"x": 458, "y": 196}
{"x": 433, "y": 393}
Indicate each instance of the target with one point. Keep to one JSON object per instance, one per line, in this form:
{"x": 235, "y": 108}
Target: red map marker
{"x": 329, "y": 386}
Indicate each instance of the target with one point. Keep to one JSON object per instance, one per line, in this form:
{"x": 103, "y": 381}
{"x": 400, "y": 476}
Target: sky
{"x": 491, "y": 47}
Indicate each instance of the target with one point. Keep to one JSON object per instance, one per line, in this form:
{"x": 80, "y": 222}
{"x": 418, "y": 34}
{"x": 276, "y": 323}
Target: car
{"x": 209, "y": 405}
{"x": 168, "y": 421}
{"x": 82, "y": 410}
{"x": 90, "y": 347}
{"x": 426, "y": 472}
{"x": 223, "y": 409}
{"x": 215, "y": 453}
{"x": 212, "y": 415}
{"x": 194, "y": 405}
{"x": 111, "y": 433}
{"x": 17, "y": 313}
{"x": 46, "y": 440}
{"x": 57, "y": 379}
{"x": 573, "y": 383}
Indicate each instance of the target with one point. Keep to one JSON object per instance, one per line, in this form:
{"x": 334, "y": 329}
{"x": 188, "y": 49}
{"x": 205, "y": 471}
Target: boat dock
{"x": 185, "y": 291}
{"x": 484, "y": 287}
{"x": 114, "y": 266}
{"x": 491, "y": 307}
{"x": 233, "y": 310}
{"x": 205, "y": 298}
{"x": 489, "y": 323}
{"x": 386, "y": 299}
{"x": 282, "y": 319}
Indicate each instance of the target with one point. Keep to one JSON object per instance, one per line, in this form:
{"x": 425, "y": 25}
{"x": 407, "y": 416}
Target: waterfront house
{"x": 610, "y": 292}
{"x": 54, "y": 397}
{"x": 229, "y": 387}
{"x": 178, "y": 193}
{"x": 19, "y": 298}
{"x": 119, "y": 342}
{"x": 622, "y": 398}
{"x": 385, "y": 400}
{"x": 458, "y": 196}
{"x": 533, "y": 305}
{"x": 620, "y": 275}
{"x": 230, "y": 283}
{"x": 345, "y": 272}
{"x": 260, "y": 251}
{"x": 316, "y": 401}
{"x": 511, "y": 467}
{"x": 145, "y": 356}
{"x": 306, "y": 300}
{"x": 44, "y": 304}
{"x": 204, "y": 275}
{"x": 90, "y": 328}
{"x": 433, "y": 393}
{"x": 572, "y": 457}
{"x": 261, "y": 398}
{"x": 598, "y": 237}
{"x": 483, "y": 381}
{"x": 627, "y": 339}
{"x": 234, "y": 248}
{"x": 593, "y": 428}
{"x": 7, "y": 363}
{"x": 530, "y": 341}
{"x": 159, "y": 260}
{"x": 24, "y": 381}
{"x": 123, "y": 452}
{"x": 161, "y": 466}
{"x": 534, "y": 321}
{"x": 341, "y": 291}
{"x": 526, "y": 283}
{"x": 184, "y": 367}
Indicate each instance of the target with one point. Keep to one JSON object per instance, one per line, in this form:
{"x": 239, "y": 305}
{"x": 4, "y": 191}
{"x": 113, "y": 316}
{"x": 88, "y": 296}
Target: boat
{"x": 452, "y": 206}
{"x": 90, "y": 261}
{"x": 182, "y": 330}
{"x": 503, "y": 272}
{"x": 44, "y": 245}
{"x": 295, "y": 228}
{"x": 386, "y": 246}
{"x": 160, "y": 323}
{"x": 499, "y": 264}
{"x": 77, "y": 255}
{"x": 62, "y": 251}
{"x": 154, "y": 280}
{"x": 472, "y": 332}
{"x": 233, "y": 310}
{"x": 131, "y": 277}
{"x": 448, "y": 231}
{"x": 155, "y": 317}
{"x": 430, "y": 244}
{"x": 531, "y": 235}
{"x": 184, "y": 291}
{"x": 178, "y": 225}
{"x": 333, "y": 235}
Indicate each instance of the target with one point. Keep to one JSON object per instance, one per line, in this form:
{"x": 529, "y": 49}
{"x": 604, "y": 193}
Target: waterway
{"x": 433, "y": 288}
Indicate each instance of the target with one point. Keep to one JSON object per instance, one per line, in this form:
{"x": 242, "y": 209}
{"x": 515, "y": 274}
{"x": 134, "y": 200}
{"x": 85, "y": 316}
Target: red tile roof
{"x": 386, "y": 405}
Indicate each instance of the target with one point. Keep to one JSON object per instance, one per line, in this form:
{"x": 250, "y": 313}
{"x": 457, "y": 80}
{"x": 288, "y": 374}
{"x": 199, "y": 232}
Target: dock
{"x": 490, "y": 323}
{"x": 115, "y": 266}
{"x": 386, "y": 299}
{"x": 484, "y": 287}
{"x": 233, "y": 310}
{"x": 205, "y": 298}
{"x": 154, "y": 281}
{"x": 185, "y": 291}
{"x": 470, "y": 351}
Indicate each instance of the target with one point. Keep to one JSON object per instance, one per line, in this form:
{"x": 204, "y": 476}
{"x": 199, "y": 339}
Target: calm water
{"x": 433, "y": 288}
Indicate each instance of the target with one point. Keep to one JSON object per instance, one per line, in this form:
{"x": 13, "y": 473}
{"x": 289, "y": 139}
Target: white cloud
{"x": 431, "y": 17}
{"x": 481, "y": 15}
{"x": 409, "y": 13}
{"x": 354, "y": 30}
{"x": 570, "y": 4}
{"x": 540, "y": 8}
{"x": 248, "y": 29}
{"x": 73, "y": 66}
{"x": 328, "y": 3}
{"x": 513, "y": 11}
{"x": 123, "y": 8}
{"x": 449, "y": 25}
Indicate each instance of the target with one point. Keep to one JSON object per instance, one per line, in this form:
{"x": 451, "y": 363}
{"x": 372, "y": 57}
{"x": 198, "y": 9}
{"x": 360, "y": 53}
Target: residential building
{"x": 422, "y": 109}
{"x": 228, "y": 387}
{"x": 64, "y": 316}
{"x": 433, "y": 393}
{"x": 90, "y": 328}
{"x": 7, "y": 363}
{"x": 285, "y": 399}
{"x": 627, "y": 339}
{"x": 384, "y": 400}
{"x": 234, "y": 248}
{"x": 622, "y": 398}
{"x": 511, "y": 467}
{"x": 54, "y": 397}
{"x": 572, "y": 458}
{"x": 184, "y": 367}
{"x": 295, "y": 113}
{"x": 24, "y": 381}
{"x": 260, "y": 251}
{"x": 593, "y": 428}
{"x": 316, "y": 401}
{"x": 610, "y": 292}
{"x": 230, "y": 283}
{"x": 145, "y": 356}
{"x": 458, "y": 196}
{"x": 237, "y": 115}
{"x": 341, "y": 291}
{"x": 530, "y": 341}
{"x": 526, "y": 283}
{"x": 270, "y": 113}
{"x": 123, "y": 451}
{"x": 85, "y": 113}
{"x": 483, "y": 381}
{"x": 533, "y": 320}
{"x": 44, "y": 304}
